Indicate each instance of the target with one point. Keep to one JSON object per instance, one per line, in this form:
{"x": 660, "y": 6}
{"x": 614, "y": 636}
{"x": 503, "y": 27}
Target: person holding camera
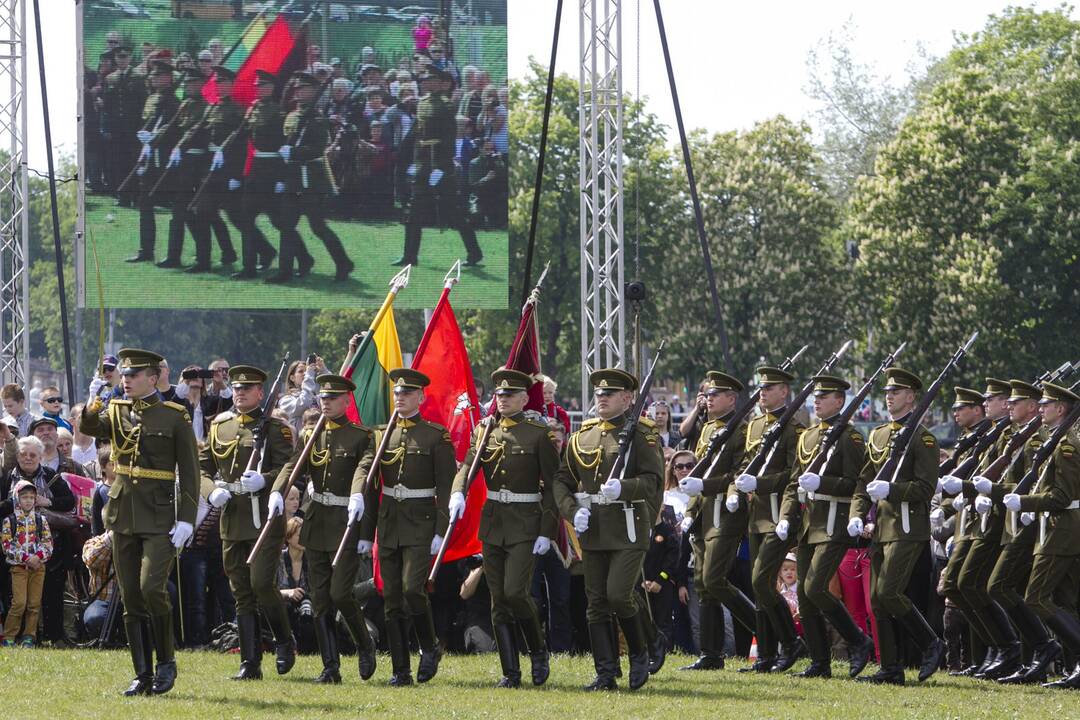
{"x": 301, "y": 391}
{"x": 293, "y": 585}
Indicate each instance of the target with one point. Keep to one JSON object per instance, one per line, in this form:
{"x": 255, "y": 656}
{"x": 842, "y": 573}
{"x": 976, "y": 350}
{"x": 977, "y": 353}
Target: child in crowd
{"x": 788, "y": 583}
{"x": 27, "y": 544}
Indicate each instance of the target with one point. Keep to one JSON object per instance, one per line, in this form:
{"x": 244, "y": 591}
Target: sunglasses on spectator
{"x": 684, "y": 466}
{"x": 52, "y": 399}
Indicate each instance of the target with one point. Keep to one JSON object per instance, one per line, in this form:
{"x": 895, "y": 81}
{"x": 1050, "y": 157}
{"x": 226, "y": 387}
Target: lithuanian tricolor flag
{"x": 262, "y": 46}
{"x": 373, "y": 399}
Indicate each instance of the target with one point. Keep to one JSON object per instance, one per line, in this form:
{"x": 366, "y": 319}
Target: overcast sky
{"x": 735, "y": 62}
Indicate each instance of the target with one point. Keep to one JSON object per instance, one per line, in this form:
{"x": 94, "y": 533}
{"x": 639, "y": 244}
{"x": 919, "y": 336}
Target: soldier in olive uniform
{"x": 435, "y": 200}
{"x": 1055, "y": 499}
{"x": 308, "y": 182}
{"x": 970, "y": 416}
{"x": 242, "y": 494}
{"x": 151, "y": 508}
{"x": 901, "y": 529}
{"x": 518, "y": 521}
{"x": 339, "y": 462}
{"x": 720, "y": 529}
{"x": 823, "y": 540}
{"x": 412, "y": 498}
{"x": 767, "y": 550}
{"x": 614, "y": 519}
{"x": 215, "y": 192}
{"x": 1018, "y": 535}
{"x": 262, "y": 129}
{"x": 159, "y": 110}
{"x": 122, "y": 99}
{"x": 982, "y": 554}
{"x": 185, "y": 174}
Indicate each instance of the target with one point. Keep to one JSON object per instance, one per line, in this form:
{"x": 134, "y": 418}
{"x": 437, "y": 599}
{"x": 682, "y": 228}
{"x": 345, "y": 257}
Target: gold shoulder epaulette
{"x": 647, "y": 422}
{"x": 174, "y": 406}
{"x": 222, "y": 416}
{"x": 590, "y": 422}
{"x": 120, "y": 401}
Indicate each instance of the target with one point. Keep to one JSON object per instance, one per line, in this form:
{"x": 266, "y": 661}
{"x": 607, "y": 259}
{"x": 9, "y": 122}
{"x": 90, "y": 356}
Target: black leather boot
{"x": 397, "y": 638}
{"x": 284, "y": 642}
{"x": 791, "y": 645}
{"x": 817, "y": 639}
{"x": 605, "y": 656}
{"x": 1067, "y": 628}
{"x": 410, "y": 255}
{"x": 326, "y": 639}
{"x": 506, "y": 643}
{"x": 165, "y": 670}
{"x": 766, "y": 646}
{"x": 933, "y": 648}
{"x": 430, "y": 650}
{"x": 712, "y": 656}
{"x": 247, "y": 628}
{"x": 539, "y": 656}
{"x": 365, "y": 648}
{"x": 860, "y": 645}
{"x": 637, "y": 648}
{"x": 142, "y": 657}
{"x": 886, "y": 675}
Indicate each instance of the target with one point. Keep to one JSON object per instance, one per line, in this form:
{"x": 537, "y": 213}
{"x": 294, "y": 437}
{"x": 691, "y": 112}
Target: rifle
{"x": 206, "y": 180}
{"x": 626, "y": 433}
{"x": 195, "y": 128}
{"x": 707, "y": 463}
{"x": 259, "y": 434}
{"x": 771, "y": 438}
{"x": 965, "y": 444}
{"x": 139, "y": 164}
{"x": 489, "y": 425}
{"x": 1045, "y": 451}
{"x": 902, "y": 440}
{"x": 832, "y": 437}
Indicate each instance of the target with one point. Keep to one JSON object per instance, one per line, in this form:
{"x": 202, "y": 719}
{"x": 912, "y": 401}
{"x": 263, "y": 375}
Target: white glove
{"x": 457, "y": 506}
{"x": 355, "y": 509}
{"x": 983, "y": 485}
{"x": 611, "y": 489}
{"x": 436, "y": 543}
{"x": 411, "y": 171}
{"x": 434, "y": 177}
{"x": 182, "y": 390}
{"x": 854, "y": 527}
{"x": 732, "y": 503}
{"x": 541, "y": 546}
{"x": 174, "y": 158}
{"x": 234, "y": 184}
{"x": 95, "y": 387}
{"x": 983, "y": 503}
{"x": 1027, "y": 518}
{"x": 144, "y": 154}
{"x": 958, "y": 502}
{"x": 363, "y": 547}
{"x": 276, "y": 505}
{"x": 877, "y": 489}
{"x": 952, "y": 484}
{"x": 285, "y": 151}
{"x": 686, "y": 523}
{"x": 279, "y": 187}
{"x": 181, "y": 533}
{"x": 252, "y": 481}
{"x": 692, "y": 486}
{"x": 1012, "y": 502}
{"x": 581, "y": 520}
{"x": 140, "y": 170}
{"x": 810, "y": 482}
{"x": 949, "y": 546}
{"x": 937, "y": 517}
{"x": 218, "y": 161}
{"x": 782, "y": 529}
{"x": 145, "y": 136}
{"x": 746, "y": 483}
{"x": 218, "y": 497}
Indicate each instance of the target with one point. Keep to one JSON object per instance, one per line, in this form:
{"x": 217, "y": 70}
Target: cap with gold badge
{"x": 1021, "y": 390}
{"x": 1056, "y": 393}
{"x": 132, "y": 360}
{"x": 408, "y": 379}
{"x": 510, "y": 381}
{"x": 716, "y": 380}
{"x": 244, "y": 375}
{"x": 334, "y": 385}
{"x": 996, "y": 387}
{"x": 967, "y": 397}
{"x": 825, "y": 384}
{"x": 901, "y": 379}
{"x": 773, "y": 375}
{"x": 609, "y": 380}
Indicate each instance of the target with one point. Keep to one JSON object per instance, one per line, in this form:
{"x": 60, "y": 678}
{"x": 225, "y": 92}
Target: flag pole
{"x": 244, "y": 34}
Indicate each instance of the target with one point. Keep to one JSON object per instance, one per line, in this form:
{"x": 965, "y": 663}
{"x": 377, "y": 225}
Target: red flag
{"x": 525, "y": 356}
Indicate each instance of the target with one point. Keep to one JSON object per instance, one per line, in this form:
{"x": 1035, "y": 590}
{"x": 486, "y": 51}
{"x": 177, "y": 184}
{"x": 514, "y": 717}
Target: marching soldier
{"x": 767, "y": 550}
{"x": 721, "y": 530}
{"x": 215, "y": 191}
{"x": 307, "y": 185}
{"x": 823, "y": 540}
{"x": 518, "y": 520}
{"x": 122, "y": 103}
{"x": 242, "y": 496}
{"x": 154, "y": 452}
{"x": 970, "y": 416}
{"x": 159, "y": 110}
{"x": 262, "y": 128}
{"x": 417, "y": 472}
{"x": 985, "y": 546}
{"x": 614, "y": 520}
{"x": 339, "y": 461}
{"x": 1055, "y": 499}
{"x": 186, "y": 123}
{"x": 901, "y": 530}
{"x": 1018, "y": 535}
{"x": 435, "y": 200}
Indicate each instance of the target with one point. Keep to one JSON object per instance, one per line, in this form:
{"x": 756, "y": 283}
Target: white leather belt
{"x": 266, "y": 154}
{"x": 905, "y": 516}
{"x": 774, "y": 507}
{"x": 833, "y": 501}
{"x": 195, "y": 151}
{"x": 587, "y": 499}
{"x": 213, "y": 148}
{"x": 716, "y": 510}
{"x": 961, "y": 522}
{"x": 507, "y": 497}
{"x": 304, "y": 176}
{"x": 326, "y": 498}
{"x": 1043, "y": 517}
{"x": 234, "y": 488}
{"x": 400, "y": 492}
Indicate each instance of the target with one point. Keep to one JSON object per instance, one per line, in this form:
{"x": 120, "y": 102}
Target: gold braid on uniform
{"x": 594, "y": 463}
{"x": 804, "y": 456}
{"x": 878, "y": 453}
{"x": 227, "y": 449}
{"x": 496, "y": 451}
{"x": 751, "y": 443}
{"x": 123, "y": 442}
{"x": 390, "y": 457}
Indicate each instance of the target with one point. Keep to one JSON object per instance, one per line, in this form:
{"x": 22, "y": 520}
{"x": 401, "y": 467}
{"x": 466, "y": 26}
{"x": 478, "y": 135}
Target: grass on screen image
{"x": 372, "y": 247}
{"x": 85, "y": 684}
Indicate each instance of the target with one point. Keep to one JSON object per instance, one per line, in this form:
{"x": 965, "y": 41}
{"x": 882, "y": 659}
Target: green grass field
{"x": 371, "y": 246}
{"x": 84, "y": 684}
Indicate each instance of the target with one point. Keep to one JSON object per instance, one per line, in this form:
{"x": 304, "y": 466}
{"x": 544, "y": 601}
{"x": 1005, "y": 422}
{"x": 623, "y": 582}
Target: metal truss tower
{"x": 14, "y": 211}
{"x": 600, "y": 123}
